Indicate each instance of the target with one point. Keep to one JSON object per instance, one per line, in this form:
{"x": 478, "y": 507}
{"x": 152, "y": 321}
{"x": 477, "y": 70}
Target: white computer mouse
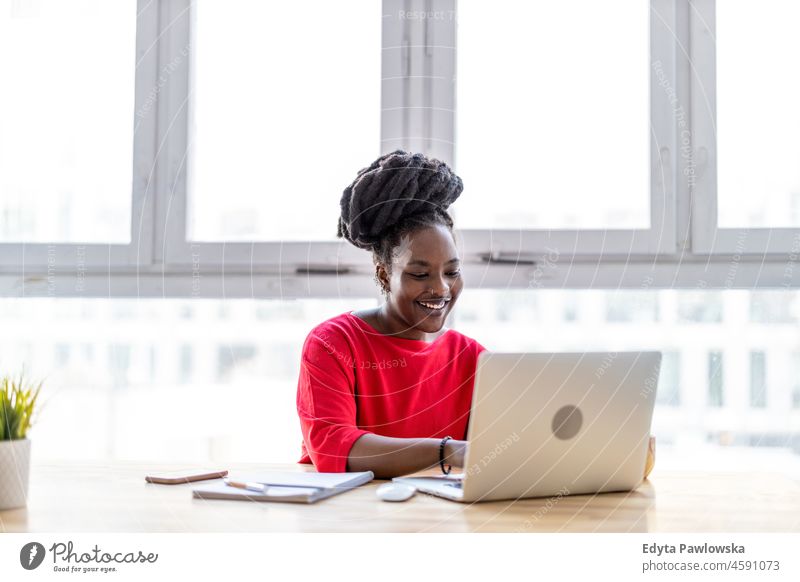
{"x": 395, "y": 491}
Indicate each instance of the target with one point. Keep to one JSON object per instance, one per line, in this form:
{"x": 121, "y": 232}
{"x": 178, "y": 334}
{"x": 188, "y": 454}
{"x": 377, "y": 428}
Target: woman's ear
{"x": 382, "y": 277}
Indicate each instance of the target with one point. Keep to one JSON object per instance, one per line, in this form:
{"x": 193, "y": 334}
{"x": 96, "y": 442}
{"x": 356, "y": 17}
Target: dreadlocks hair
{"x": 397, "y": 194}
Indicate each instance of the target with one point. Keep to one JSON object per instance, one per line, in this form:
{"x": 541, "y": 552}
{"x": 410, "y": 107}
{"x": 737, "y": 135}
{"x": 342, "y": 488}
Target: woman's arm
{"x": 389, "y": 457}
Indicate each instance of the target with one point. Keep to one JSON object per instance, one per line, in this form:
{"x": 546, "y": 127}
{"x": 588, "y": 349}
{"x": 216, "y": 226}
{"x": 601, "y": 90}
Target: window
{"x": 624, "y": 306}
{"x": 758, "y": 380}
{"x": 758, "y": 175}
{"x": 186, "y": 359}
{"x": 285, "y": 105}
{"x": 196, "y": 153}
{"x": 700, "y": 307}
{"x": 94, "y": 409}
{"x": 553, "y": 143}
{"x": 620, "y": 142}
{"x": 119, "y": 363}
{"x": 521, "y": 311}
{"x": 716, "y": 384}
{"x": 231, "y": 359}
{"x": 67, "y": 124}
{"x": 541, "y": 142}
{"x": 744, "y": 182}
{"x": 669, "y": 388}
{"x": 62, "y": 355}
{"x": 774, "y": 307}
{"x": 703, "y": 397}
{"x": 153, "y": 362}
{"x": 98, "y": 397}
{"x": 795, "y": 379}
{"x": 570, "y": 306}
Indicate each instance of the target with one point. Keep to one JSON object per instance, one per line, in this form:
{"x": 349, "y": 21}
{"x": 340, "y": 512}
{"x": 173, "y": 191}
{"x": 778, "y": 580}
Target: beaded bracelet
{"x": 441, "y": 456}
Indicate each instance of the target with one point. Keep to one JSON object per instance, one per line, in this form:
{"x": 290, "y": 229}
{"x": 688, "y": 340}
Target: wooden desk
{"x": 114, "y": 497}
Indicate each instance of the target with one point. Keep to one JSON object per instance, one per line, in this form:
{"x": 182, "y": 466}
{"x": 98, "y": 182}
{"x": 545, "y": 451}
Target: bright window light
{"x": 66, "y": 120}
{"x": 758, "y": 117}
{"x": 553, "y": 115}
{"x": 286, "y": 110}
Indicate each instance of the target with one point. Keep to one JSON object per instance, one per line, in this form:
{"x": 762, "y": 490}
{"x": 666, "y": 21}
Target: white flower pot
{"x": 15, "y": 464}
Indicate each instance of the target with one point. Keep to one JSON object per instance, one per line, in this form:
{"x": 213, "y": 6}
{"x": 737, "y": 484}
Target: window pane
{"x": 771, "y": 306}
{"x": 715, "y": 379}
{"x": 703, "y": 415}
{"x": 700, "y": 307}
{"x": 669, "y": 385}
{"x": 222, "y": 386}
{"x": 758, "y": 118}
{"x": 66, "y": 120}
{"x": 795, "y": 382}
{"x": 553, "y": 114}
{"x": 286, "y": 110}
{"x": 101, "y": 380}
{"x": 758, "y": 380}
{"x": 626, "y": 305}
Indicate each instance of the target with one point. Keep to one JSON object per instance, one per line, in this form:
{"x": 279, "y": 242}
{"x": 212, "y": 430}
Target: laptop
{"x": 554, "y": 424}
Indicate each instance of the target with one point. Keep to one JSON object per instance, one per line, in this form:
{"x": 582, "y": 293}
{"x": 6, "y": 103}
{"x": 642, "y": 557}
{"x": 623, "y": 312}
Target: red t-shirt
{"x": 355, "y": 380}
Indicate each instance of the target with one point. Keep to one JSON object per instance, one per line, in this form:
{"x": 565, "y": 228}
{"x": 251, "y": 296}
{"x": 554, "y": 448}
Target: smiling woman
{"x": 357, "y": 412}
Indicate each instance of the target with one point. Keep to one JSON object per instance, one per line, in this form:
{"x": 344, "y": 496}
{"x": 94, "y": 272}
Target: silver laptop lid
{"x": 559, "y": 423}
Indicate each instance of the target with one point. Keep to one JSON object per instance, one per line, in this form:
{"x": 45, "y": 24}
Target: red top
{"x": 355, "y": 380}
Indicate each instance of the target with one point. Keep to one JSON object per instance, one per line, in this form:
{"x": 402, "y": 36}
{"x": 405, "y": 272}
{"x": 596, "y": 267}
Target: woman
{"x": 389, "y": 389}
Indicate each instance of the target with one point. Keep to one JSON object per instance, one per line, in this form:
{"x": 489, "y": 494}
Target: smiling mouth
{"x": 433, "y": 306}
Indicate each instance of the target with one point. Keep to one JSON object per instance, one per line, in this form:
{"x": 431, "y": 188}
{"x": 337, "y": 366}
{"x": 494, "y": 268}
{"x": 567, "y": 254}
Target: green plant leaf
{"x": 17, "y": 404}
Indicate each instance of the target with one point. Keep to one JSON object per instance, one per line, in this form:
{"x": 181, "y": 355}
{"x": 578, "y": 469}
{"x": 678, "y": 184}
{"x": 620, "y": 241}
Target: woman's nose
{"x": 439, "y": 287}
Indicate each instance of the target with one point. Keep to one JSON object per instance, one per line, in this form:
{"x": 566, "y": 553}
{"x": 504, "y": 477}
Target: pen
{"x": 250, "y": 486}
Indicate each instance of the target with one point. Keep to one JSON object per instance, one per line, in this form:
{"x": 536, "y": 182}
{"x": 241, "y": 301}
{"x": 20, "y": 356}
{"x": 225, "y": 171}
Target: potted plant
{"x": 17, "y": 404}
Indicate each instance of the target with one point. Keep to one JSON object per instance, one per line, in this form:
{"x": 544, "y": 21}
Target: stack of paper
{"x": 298, "y": 487}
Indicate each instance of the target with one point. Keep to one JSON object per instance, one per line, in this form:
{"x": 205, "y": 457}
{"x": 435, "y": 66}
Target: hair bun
{"x": 396, "y": 186}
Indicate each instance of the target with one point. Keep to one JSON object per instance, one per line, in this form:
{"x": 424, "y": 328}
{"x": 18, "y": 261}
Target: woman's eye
{"x": 423, "y": 275}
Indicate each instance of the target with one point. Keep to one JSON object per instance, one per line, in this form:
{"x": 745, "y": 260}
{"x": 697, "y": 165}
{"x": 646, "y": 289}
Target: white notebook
{"x": 297, "y": 487}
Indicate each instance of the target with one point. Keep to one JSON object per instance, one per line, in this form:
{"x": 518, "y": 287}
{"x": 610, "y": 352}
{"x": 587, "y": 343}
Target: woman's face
{"x": 425, "y": 270}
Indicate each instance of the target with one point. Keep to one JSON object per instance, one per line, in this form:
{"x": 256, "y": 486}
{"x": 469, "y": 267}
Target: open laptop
{"x": 554, "y": 424}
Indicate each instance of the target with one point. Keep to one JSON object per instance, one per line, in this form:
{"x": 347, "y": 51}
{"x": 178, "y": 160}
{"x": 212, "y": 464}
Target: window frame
{"x": 420, "y": 115}
{"x": 173, "y": 249}
{"x": 707, "y": 236}
{"x": 578, "y": 244}
{"x": 418, "y": 112}
{"x": 71, "y": 258}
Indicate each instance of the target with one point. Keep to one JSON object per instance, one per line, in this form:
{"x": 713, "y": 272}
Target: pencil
{"x": 250, "y": 486}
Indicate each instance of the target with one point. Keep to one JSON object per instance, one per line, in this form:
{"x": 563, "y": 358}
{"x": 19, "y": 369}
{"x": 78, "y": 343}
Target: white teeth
{"x": 433, "y": 305}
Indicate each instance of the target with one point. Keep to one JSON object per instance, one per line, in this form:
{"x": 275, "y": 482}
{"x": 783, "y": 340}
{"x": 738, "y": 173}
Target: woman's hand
{"x": 455, "y": 452}
{"x": 651, "y": 456}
